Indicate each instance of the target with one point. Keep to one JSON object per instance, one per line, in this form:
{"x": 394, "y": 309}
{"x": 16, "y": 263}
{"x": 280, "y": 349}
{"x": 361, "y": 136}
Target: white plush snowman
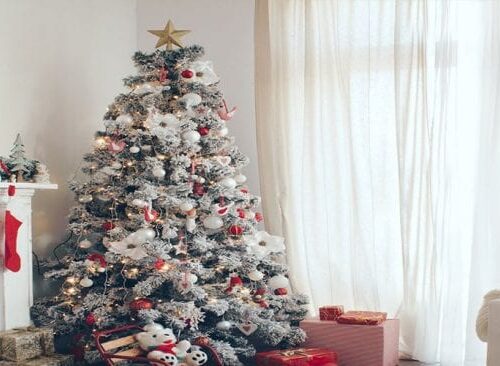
{"x": 162, "y": 344}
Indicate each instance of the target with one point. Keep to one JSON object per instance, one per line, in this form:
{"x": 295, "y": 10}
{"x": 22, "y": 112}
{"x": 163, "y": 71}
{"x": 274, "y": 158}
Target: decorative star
{"x": 169, "y": 36}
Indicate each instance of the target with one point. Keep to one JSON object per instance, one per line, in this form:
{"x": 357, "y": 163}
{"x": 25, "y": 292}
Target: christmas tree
{"x": 165, "y": 229}
{"x": 17, "y": 159}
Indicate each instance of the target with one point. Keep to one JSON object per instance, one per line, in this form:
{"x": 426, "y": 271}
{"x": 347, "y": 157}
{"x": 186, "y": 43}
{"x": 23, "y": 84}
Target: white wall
{"x": 61, "y": 64}
{"x": 225, "y": 29}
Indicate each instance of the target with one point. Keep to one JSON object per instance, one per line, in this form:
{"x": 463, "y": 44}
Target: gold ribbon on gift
{"x": 295, "y": 352}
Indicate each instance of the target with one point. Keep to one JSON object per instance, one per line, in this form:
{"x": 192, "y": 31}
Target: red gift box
{"x": 330, "y": 312}
{"x": 297, "y": 357}
{"x": 362, "y": 318}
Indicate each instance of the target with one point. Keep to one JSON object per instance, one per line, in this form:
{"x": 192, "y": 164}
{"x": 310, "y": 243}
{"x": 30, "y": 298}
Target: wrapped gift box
{"x": 362, "y": 318}
{"x": 356, "y": 345}
{"x": 54, "y": 360}
{"x": 297, "y": 357}
{"x": 26, "y": 343}
{"x": 331, "y": 312}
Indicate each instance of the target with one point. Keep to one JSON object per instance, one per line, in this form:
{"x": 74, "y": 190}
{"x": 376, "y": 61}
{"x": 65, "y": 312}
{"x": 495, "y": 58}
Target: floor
{"x": 415, "y": 363}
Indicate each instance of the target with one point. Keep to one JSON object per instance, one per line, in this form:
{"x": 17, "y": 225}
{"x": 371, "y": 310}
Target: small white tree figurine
{"x": 18, "y": 159}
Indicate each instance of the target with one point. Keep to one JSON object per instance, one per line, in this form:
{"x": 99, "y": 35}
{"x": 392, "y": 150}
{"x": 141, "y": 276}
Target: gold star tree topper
{"x": 169, "y": 36}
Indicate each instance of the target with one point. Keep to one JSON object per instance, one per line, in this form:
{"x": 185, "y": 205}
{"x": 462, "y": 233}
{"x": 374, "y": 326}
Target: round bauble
{"x": 222, "y": 132}
{"x": 235, "y": 230}
{"x": 281, "y": 291}
{"x": 213, "y": 222}
{"x": 135, "y": 149}
{"x": 124, "y": 118}
{"x": 143, "y": 235}
{"x": 224, "y": 325}
{"x": 141, "y": 304}
{"x": 86, "y": 198}
{"x": 255, "y": 275}
{"x": 138, "y": 202}
{"x": 228, "y": 183}
{"x": 85, "y": 244}
{"x": 258, "y": 217}
{"x": 187, "y": 74}
{"x": 90, "y": 319}
{"x": 191, "y": 99}
{"x": 278, "y": 281}
{"x": 203, "y": 131}
{"x": 191, "y": 136}
{"x": 86, "y": 282}
{"x": 240, "y": 178}
{"x": 159, "y": 172}
{"x": 186, "y": 206}
{"x": 108, "y": 225}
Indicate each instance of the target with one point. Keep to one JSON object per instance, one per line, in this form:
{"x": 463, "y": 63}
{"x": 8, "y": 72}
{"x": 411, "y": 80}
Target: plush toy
{"x": 162, "y": 344}
{"x": 195, "y": 356}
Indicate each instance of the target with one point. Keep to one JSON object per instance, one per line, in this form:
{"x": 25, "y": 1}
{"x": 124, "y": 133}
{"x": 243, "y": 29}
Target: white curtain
{"x": 379, "y": 161}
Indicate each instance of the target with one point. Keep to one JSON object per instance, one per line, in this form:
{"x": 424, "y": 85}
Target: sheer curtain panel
{"x": 378, "y": 152}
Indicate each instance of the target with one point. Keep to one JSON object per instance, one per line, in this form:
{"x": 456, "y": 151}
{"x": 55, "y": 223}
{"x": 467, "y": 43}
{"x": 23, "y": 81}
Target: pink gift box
{"x": 356, "y": 345}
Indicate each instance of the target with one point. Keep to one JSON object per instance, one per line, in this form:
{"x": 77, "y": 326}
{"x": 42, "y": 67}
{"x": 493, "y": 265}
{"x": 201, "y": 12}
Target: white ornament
{"x": 191, "y": 100}
{"x": 86, "y": 282}
{"x": 224, "y": 325}
{"x": 85, "y": 244}
{"x": 203, "y": 72}
{"x": 116, "y": 165}
{"x": 256, "y": 275}
{"x": 262, "y": 244}
{"x": 135, "y": 149}
{"x": 139, "y": 203}
{"x": 159, "y": 172}
{"x": 145, "y": 234}
{"x": 278, "y": 281}
{"x": 222, "y": 132}
{"x": 186, "y": 206}
{"x": 191, "y": 136}
{"x": 247, "y": 328}
{"x": 228, "y": 183}
{"x": 190, "y": 224}
{"x": 213, "y": 222}
{"x": 240, "y": 178}
{"x": 124, "y": 118}
{"x": 86, "y": 198}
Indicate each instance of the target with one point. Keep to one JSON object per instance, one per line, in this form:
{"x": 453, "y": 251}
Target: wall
{"x": 62, "y": 63}
{"x": 225, "y": 29}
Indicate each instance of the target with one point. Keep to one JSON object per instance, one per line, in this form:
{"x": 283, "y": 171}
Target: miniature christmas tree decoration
{"x": 18, "y": 160}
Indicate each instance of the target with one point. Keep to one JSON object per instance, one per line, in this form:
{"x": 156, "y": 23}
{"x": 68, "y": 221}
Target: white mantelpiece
{"x": 16, "y": 288}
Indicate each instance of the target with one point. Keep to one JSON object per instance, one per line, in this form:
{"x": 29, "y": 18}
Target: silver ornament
{"x": 224, "y": 325}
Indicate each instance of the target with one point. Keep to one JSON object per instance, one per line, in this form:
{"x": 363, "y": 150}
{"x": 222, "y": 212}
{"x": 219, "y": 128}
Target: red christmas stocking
{"x": 12, "y": 224}
{"x": 12, "y": 259}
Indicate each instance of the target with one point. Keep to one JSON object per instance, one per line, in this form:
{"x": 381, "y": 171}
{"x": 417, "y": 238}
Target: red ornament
{"x": 258, "y": 217}
{"x": 163, "y": 75}
{"x": 244, "y": 190}
{"x": 96, "y": 257}
{"x": 241, "y": 213}
{"x": 141, "y": 304}
{"x": 90, "y": 319}
{"x": 281, "y": 291}
{"x": 187, "y": 74}
{"x": 260, "y": 291}
{"x": 108, "y": 225}
{"x": 159, "y": 264}
{"x": 202, "y": 341}
{"x": 203, "y": 131}
{"x": 150, "y": 214}
{"x": 198, "y": 189}
{"x": 235, "y": 230}
{"x": 234, "y": 281}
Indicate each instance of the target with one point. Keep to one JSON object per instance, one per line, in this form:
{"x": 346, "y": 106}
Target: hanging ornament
{"x": 224, "y": 113}
{"x": 85, "y": 244}
{"x": 86, "y": 198}
{"x": 187, "y": 281}
{"x": 213, "y": 222}
{"x": 90, "y": 319}
{"x": 235, "y": 230}
{"x": 258, "y": 296}
{"x": 203, "y": 131}
{"x": 279, "y": 284}
{"x": 241, "y": 213}
{"x": 228, "y": 183}
{"x": 281, "y": 291}
{"x": 186, "y": 206}
{"x": 222, "y": 209}
{"x": 142, "y": 303}
{"x": 86, "y": 282}
{"x": 181, "y": 248}
{"x": 159, "y": 172}
{"x": 240, "y": 178}
{"x": 235, "y": 282}
{"x": 161, "y": 265}
{"x": 135, "y": 149}
{"x": 108, "y": 225}
{"x": 258, "y": 217}
{"x": 163, "y": 75}
{"x": 187, "y": 74}
{"x": 247, "y": 328}
{"x": 190, "y": 100}
{"x": 116, "y": 146}
{"x": 143, "y": 235}
{"x": 198, "y": 189}
{"x": 96, "y": 262}
{"x": 191, "y": 136}
{"x": 150, "y": 214}
{"x": 224, "y": 325}
{"x": 255, "y": 275}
